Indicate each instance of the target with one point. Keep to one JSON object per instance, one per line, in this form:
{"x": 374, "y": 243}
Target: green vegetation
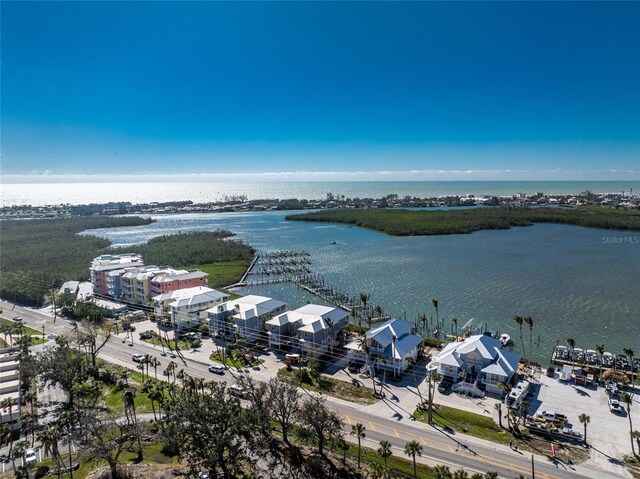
{"x": 39, "y": 253}
{"x": 198, "y": 248}
{"x": 466, "y": 422}
{"x": 412, "y": 223}
{"x": 307, "y": 379}
{"x": 236, "y": 360}
{"x": 25, "y": 329}
{"x": 224, "y": 273}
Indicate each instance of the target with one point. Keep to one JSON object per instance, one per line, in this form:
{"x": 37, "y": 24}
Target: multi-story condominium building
{"x": 105, "y": 264}
{"x": 134, "y": 284}
{"x": 245, "y": 316}
{"x": 311, "y": 327}
{"x": 187, "y": 308}
{"x": 391, "y": 346}
{"x": 10, "y": 388}
{"x": 169, "y": 280}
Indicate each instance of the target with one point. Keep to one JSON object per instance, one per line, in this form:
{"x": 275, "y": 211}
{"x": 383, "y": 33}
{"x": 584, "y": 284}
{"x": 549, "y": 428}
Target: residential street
{"x": 386, "y": 420}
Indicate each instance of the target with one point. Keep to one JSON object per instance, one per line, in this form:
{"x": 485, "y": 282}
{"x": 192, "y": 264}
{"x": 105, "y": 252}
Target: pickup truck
{"x": 551, "y": 416}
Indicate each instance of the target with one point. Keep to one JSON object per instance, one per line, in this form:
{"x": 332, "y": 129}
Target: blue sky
{"x": 450, "y": 90}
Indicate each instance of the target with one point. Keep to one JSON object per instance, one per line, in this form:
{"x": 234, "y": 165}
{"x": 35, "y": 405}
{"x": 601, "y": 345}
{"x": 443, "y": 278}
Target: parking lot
{"x": 607, "y": 433}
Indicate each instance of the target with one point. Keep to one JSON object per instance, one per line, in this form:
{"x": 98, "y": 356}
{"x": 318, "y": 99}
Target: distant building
{"x": 106, "y": 263}
{"x": 187, "y": 308}
{"x": 246, "y": 315}
{"x": 392, "y": 345}
{"x": 311, "y": 327}
{"x": 477, "y": 364}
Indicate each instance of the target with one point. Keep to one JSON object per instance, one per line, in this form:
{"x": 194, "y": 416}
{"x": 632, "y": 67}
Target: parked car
{"x": 17, "y": 318}
{"x": 4, "y": 458}
{"x": 215, "y": 369}
{"x": 614, "y": 406}
{"x": 238, "y": 391}
{"x": 30, "y": 456}
{"x": 138, "y": 357}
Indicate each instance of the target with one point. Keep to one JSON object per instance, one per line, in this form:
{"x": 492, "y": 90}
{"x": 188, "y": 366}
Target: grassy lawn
{"x": 223, "y": 273}
{"x": 234, "y": 363}
{"x": 333, "y": 387}
{"x": 27, "y": 329}
{"x": 485, "y": 428}
{"x": 182, "y": 344}
{"x": 152, "y": 455}
{"x": 396, "y": 464}
{"x": 467, "y": 423}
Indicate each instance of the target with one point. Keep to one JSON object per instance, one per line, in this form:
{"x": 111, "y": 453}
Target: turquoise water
{"x": 38, "y": 194}
{"x": 575, "y": 282}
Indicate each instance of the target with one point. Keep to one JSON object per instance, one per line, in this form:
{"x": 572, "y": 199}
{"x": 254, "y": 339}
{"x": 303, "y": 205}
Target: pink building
{"x": 107, "y": 263}
{"x": 165, "y": 282}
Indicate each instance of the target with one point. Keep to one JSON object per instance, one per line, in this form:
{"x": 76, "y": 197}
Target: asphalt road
{"x": 439, "y": 447}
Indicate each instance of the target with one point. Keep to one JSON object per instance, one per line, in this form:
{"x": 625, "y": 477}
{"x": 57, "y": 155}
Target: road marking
{"x": 446, "y": 447}
{"x": 373, "y": 428}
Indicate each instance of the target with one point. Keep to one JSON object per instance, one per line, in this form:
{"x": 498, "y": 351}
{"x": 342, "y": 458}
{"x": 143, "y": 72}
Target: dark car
{"x": 4, "y": 458}
{"x": 551, "y": 372}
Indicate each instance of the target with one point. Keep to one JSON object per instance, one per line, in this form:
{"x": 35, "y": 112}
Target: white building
{"x": 392, "y": 346}
{"x": 10, "y": 387}
{"x": 247, "y": 316}
{"x": 477, "y": 364}
{"x": 187, "y": 308}
{"x": 311, "y": 327}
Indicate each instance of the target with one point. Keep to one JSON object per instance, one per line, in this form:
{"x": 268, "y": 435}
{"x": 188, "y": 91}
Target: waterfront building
{"x": 392, "y": 346}
{"x": 245, "y": 316}
{"x": 477, "y": 364}
{"x": 106, "y": 263}
{"x": 169, "y": 280}
{"x": 10, "y": 388}
{"x": 187, "y": 308}
{"x": 311, "y": 327}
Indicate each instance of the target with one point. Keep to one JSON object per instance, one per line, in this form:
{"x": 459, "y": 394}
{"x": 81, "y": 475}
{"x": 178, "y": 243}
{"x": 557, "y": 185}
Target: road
{"x": 440, "y": 447}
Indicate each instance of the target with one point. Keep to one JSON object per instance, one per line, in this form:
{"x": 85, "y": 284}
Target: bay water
{"x": 574, "y": 282}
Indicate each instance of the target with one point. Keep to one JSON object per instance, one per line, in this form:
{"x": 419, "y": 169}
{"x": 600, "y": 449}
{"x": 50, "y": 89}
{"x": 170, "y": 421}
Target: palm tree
{"x": 584, "y": 420}
{"x": 571, "y": 343}
{"x": 442, "y": 472}
{"x": 629, "y": 353}
{"x": 154, "y": 363}
{"x": 413, "y": 448}
{"x": 435, "y": 305}
{"x": 49, "y": 439}
{"x": 626, "y": 399}
{"x": 454, "y": 323}
{"x": 423, "y": 319}
{"x": 329, "y": 322}
{"x": 435, "y": 377}
{"x": 378, "y": 311}
{"x": 529, "y": 321}
{"x": 8, "y": 404}
{"x": 384, "y": 451}
{"x": 460, "y": 474}
{"x": 520, "y": 320}
{"x": 636, "y": 436}
{"x": 600, "y": 351}
{"x": 412, "y": 363}
{"x": 67, "y": 421}
{"x": 18, "y": 452}
{"x": 358, "y": 431}
{"x": 364, "y": 298}
{"x": 364, "y": 347}
{"x": 498, "y": 407}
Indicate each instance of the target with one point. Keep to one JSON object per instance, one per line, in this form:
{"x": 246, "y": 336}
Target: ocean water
{"x": 575, "y": 282}
{"x": 40, "y": 194}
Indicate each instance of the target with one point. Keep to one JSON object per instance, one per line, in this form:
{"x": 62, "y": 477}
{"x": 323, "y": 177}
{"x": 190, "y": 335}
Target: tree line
{"x": 442, "y": 222}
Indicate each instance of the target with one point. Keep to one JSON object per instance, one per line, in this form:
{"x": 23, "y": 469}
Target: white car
{"x": 138, "y": 357}
{"x": 216, "y": 369}
{"x": 614, "y": 406}
{"x": 30, "y": 456}
{"x": 238, "y": 391}
{"x": 17, "y": 318}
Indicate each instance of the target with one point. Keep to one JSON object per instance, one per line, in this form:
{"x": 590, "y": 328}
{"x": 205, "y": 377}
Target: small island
{"x": 401, "y": 222}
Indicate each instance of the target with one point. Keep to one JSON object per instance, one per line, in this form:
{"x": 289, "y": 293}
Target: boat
{"x": 505, "y": 339}
{"x": 333, "y": 242}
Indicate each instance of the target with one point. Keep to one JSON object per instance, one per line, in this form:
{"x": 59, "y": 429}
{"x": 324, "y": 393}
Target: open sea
{"x": 43, "y": 193}
{"x": 575, "y": 282}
